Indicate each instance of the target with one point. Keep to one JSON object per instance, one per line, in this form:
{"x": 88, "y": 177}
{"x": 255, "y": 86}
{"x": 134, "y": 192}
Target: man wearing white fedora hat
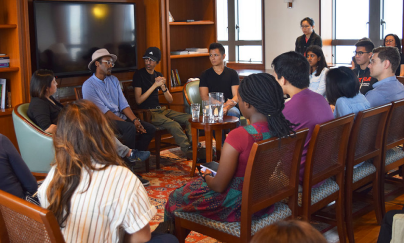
{"x": 104, "y": 90}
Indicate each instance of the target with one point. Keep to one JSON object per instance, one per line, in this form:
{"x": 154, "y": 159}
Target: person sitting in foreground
{"x": 261, "y": 101}
{"x": 305, "y": 107}
{"x": 293, "y": 231}
{"x": 383, "y": 65}
{"x": 93, "y": 196}
{"x": 44, "y": 109}
{"x": 318, "y": 69}
{"x": 342, "y": 90}
{"x": 15, "y": 177}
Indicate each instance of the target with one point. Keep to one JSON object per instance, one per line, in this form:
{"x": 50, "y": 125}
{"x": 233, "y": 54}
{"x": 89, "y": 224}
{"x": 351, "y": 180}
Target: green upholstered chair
{"x": 191, "y": 94}
{"x": 36, "y": 146}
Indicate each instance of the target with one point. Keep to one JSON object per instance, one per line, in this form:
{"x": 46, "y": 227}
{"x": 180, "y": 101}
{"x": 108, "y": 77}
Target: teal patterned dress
{"x": 197, "y": 197}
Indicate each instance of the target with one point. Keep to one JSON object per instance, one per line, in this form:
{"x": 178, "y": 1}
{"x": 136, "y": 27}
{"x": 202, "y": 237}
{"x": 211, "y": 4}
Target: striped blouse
{"x": 114, "y": 203}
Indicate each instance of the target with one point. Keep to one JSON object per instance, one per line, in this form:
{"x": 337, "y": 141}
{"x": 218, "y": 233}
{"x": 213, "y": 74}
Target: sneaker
{"x": 138, "y": 156}
{"x": 144, "y": 181}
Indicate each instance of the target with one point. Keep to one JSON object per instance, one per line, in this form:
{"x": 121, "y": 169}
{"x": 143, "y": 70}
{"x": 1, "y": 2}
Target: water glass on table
{"x": 195, "y": 110}
{"x": 205, "y": 108}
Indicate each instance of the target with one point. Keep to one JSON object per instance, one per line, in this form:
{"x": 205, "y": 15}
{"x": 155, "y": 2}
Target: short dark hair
{"x": 367, "y": 43}
{"x": 294, "y": 67}
{"x": 340, "y": 82}
{"x": 40, "y": 80}
{"x": 93, "y": 68}
{"x": 389, "y": 53}
{"x": 309, "y": 20}
{"x": 217, "y": 46}
{"x": 320, "y": 54}
{"x": 396, "y": 38}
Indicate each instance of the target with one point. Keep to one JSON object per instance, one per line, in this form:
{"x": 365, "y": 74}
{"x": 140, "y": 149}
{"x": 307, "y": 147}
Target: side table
{"x": 229, "y": 122}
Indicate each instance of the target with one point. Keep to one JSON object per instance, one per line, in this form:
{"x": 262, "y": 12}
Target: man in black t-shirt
{"x": 147, "y": 82}
{"x": 220, "y": 78}
{"x": 363, "y": 53}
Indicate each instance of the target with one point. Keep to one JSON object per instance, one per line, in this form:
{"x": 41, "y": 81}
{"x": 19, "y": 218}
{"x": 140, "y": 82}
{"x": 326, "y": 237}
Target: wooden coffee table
{"x": 229, "y": 122}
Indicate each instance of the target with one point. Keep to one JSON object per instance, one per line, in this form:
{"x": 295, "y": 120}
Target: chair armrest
{"x": 143, "y": 114}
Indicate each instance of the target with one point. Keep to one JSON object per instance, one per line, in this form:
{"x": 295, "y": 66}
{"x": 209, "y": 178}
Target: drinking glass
{"x": 205, "y": 108}
{"x": 216, "y": 100}
{"x": 195, "y": 110}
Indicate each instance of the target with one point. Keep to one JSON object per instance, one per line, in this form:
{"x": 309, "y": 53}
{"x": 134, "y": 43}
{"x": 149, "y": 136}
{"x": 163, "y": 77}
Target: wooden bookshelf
{"x": 201, "y": 22}
{"x": 8, "y": 26}
{"x": 9, "y": 69}
{"x": 189, "y": 55}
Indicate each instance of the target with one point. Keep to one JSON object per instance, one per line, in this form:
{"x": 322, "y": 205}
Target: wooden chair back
{"x": 326, "y": 154}
{"x": 272, "y": 174}
{"x": 79, "y": 93}
{"x": 21, "y": 221}
{"x": 394, "y": 135}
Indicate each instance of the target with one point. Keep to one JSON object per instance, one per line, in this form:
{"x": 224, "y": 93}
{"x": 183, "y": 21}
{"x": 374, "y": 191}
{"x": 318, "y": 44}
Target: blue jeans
{"x": 162, "y": 238}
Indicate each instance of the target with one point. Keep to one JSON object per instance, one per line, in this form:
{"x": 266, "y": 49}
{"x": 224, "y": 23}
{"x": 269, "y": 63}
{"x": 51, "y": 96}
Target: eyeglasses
{"x": 360, "y": 53}
{"x": 109, "y": 62}
{"x": 388, "y": 41}
{"x": 305, "y": 26}
{"x": 149, "y": 60}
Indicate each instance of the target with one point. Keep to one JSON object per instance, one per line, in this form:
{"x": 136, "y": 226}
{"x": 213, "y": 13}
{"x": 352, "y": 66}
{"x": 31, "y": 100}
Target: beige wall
{"x": 282, "y": 25}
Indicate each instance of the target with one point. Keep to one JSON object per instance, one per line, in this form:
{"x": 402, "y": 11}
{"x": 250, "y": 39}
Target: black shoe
{"x": 166, "y": 227}
{"x": 144, "y": 181}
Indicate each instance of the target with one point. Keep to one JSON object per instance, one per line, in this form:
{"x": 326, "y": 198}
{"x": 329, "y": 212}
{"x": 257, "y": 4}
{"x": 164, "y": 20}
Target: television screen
{"x": 67, "y": 34}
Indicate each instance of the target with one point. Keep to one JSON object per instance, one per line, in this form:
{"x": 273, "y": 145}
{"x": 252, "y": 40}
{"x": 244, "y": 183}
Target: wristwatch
{"x": 164, "y": 90}
{"x": 133, "y": 121}
{"x": 204, "y": 175}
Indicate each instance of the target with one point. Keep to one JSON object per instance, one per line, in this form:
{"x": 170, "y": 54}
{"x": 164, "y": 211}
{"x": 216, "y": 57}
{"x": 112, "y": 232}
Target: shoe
{"x": 188, "y": 153}
{"x": 138, "y": 156}
{"x": 144, "y": 181}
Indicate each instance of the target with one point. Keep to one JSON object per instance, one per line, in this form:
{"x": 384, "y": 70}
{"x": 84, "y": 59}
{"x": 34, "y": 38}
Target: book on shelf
{"x": 3, "y": 89}
{"x": 197, "y": 50}
{"x": 178, "y": 77}
{"x": 179, "y": 52}
{"x": 173, "y": 81}
{"x": 4, "y": 61}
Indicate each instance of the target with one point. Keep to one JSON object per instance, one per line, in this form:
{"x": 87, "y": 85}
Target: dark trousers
{"x": 133, "y": 139}
{"x": 162, "y": 238}
{"x": 387, "y": 225}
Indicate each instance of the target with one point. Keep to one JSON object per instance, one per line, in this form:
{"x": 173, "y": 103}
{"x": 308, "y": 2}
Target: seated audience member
{"x": 87, "y": 179}
{"x": 15, "y": 177}
{"x": 260, "y": 100}
{"x": 318, "y": 69}
{"x": 293, "y": 231}
{"x": 305, "y": 107}
{"x": 44, "y": 110}
{"x": 386, "y": 227}
{"x": 308, "y": 38}
{"x": 147, "y": 82}
{"x": 363, "y": 53}
{"x": 104, "y": 90}
{"x": 394, "y": 41}
{"x": 383, "y": 65}
{"x": 343, "y": 92}
{"x": 220, "y": 78}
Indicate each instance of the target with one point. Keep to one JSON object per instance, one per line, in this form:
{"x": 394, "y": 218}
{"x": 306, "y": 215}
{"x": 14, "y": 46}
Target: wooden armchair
{"x": 325, "y": 161}
{"x": 393, "y": 156}
{"x": 21, "y": 221}
{"x": 365, "y": 145}
{"x": 272, "y": 174}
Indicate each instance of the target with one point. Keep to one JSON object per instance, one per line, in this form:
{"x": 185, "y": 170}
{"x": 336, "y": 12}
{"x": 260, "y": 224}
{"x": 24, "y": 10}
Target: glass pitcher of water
{"x": 216, "y": 100}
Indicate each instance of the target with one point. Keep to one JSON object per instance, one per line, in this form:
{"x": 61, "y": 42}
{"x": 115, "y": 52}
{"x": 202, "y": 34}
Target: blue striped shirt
{"x": 107, "y": 94}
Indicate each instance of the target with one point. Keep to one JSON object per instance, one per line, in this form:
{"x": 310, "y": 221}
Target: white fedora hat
{"x": 101, "y": 53}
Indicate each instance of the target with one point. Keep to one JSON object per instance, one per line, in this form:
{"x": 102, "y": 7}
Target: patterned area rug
{"x": 174, "y": 172}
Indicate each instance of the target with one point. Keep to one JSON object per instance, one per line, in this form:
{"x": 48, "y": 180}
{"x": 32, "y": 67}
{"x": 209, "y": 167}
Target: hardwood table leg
{"x": 218, "y": 134}
{"x": 208, "y": 144}
{"x": 195, "y": 141}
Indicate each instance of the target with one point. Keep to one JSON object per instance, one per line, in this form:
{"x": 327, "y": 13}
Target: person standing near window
{"x": 394, "y": 41}
{"x": 309, "y": 36}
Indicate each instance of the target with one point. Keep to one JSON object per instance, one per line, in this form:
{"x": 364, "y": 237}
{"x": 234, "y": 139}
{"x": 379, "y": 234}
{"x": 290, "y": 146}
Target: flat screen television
{"x": 67, "y": 34}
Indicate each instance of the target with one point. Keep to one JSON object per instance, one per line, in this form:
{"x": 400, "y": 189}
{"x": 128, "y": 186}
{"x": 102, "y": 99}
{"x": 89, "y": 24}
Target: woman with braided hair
{"x": 261, "y": 101}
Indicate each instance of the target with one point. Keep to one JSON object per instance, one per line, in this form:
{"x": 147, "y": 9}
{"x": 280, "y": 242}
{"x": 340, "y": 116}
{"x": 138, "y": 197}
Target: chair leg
{"x": 377, "y": 202}
{"x": 157, "y": 142}
{"x": 348, "y": 215}
{"x": 180, "y": 233}
{"x": 340, "y": 220}
{"x": 147, "y": 163}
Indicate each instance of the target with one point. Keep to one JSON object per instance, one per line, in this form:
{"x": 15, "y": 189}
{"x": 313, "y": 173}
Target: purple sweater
{"x": 309, "y": 109}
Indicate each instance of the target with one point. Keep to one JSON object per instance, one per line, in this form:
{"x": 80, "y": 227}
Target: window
{"x": 354, "y": 20}
{"x": 239, "y": 29}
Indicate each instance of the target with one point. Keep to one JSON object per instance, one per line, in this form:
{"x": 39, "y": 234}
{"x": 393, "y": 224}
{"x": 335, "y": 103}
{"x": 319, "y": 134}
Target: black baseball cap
{"x": 153, "y": 53}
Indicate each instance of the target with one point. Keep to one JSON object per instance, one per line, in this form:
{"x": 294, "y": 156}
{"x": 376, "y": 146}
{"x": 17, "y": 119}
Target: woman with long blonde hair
{"x": 93, "y": 196}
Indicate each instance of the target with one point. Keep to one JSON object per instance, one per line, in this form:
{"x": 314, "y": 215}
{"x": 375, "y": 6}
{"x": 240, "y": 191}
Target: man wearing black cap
{"x": 363, "y": 53}
{"x": 147, "y": 82}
